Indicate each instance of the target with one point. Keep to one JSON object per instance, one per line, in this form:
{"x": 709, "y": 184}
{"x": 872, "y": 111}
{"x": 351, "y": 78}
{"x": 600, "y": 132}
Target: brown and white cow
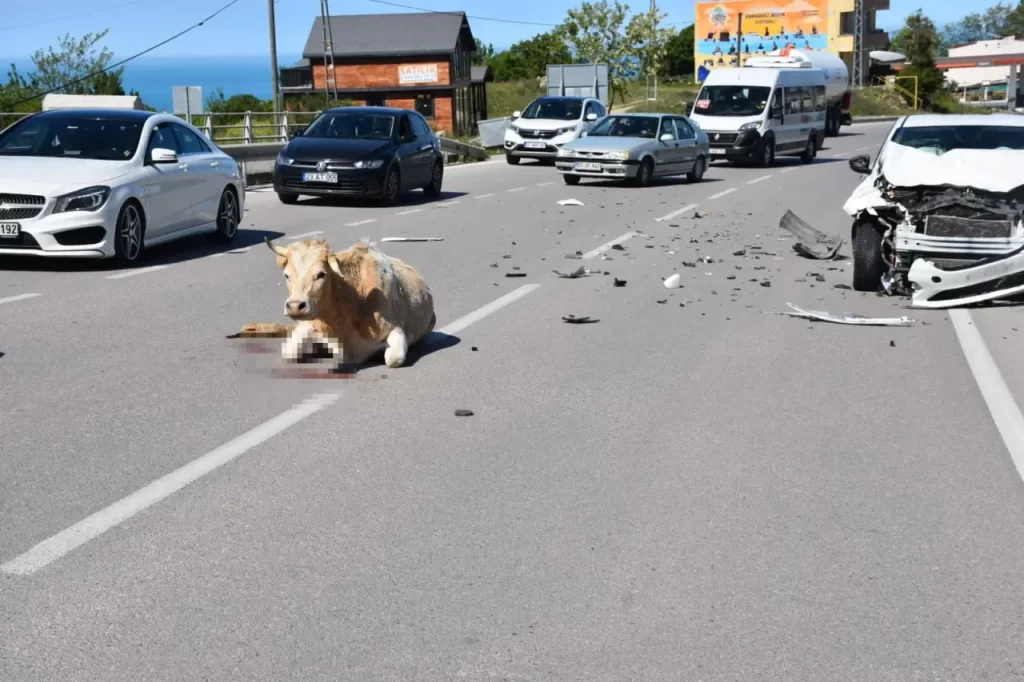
{"x": 356, "y": 302}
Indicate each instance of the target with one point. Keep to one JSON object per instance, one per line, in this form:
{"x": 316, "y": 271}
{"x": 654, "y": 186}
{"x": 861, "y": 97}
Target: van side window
{"x": 819, "y": 98}
{"x": 791, "y": 100}
{"x": 807, "y": 99}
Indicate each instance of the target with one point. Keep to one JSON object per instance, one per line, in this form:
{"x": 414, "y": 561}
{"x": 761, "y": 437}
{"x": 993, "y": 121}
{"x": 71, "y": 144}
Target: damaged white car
{"x": 938, "y": 216}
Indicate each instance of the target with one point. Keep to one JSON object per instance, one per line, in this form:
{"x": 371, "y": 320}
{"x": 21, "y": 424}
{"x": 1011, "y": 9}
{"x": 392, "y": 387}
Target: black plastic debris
{"x": 731, "y": 277}
{"x": 847, "y": 287}
{"x": 474, "y": 349}
{"x": 741, "y": 252}
{"x": 766, "y": 283}
{"x": 572, "y": 319}
{"x": 819, "y": 277}
{"x": 575, "y": 274}
{"x": 507, "y": 256}
{"x": 892, "y": 344}
{"x": 494, "y": 265}
{"x": 618, "y": 282}
{"x": 515, "y": 274}
{"x": 463, "y": 413}
{"x": 618, "y": 247}
{"x": 664, "y": 300}
{"x": 688, "y": 264}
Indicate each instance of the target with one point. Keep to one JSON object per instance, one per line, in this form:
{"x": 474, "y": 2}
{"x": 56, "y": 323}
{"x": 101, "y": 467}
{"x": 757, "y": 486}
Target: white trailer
{"x": 837, "y": 80}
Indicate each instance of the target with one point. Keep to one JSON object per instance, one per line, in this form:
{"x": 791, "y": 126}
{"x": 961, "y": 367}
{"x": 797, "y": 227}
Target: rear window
{"x": 942, "y": 139}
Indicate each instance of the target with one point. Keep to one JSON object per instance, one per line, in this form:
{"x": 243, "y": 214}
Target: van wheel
{"x": 767, "y": 153}
{"x": 810, "y": 151}
{"x": 868, "y": 264}
{"x": 571, "y": 179}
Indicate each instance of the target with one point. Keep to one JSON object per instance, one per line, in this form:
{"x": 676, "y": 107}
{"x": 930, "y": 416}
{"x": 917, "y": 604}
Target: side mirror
{"x": 776, "y": 113}
{"x": 583, "y": 134}
{"x": 161, "y": 155}
{"x": 294, "y": 132}
{"x": 516, "y": 114}
{"x": 667, "y": 137}
{"x": 591, "y": 116}
{"x": 860, "y": 164}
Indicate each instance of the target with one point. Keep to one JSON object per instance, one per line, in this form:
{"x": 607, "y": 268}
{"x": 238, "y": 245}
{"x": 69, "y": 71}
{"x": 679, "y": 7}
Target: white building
{"x": 985, "y": 65}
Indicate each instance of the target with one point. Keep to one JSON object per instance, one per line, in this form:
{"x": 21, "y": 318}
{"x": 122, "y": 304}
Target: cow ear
{"x": 334, "y": 265}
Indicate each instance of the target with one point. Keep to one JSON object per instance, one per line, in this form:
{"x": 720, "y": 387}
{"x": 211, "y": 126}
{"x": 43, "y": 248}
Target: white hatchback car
{"x": 547, "y": 123}
{"x": 106, "y": 183}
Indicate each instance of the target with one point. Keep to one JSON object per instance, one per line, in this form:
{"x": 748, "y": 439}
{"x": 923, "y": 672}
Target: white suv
{"x": 547, "y": 124}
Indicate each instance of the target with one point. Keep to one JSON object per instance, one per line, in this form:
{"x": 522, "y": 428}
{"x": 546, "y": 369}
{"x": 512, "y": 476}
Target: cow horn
{"x": 275, "y": 249}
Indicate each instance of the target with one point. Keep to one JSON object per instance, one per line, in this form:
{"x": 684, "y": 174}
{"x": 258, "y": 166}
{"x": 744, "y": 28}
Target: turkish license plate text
{"x": 9, "y": 230}
{"x": 718, "y": 152}
{"x": 588, "y": 166}
{"x": 535, "y": 145}
{"x": 320, "y": 177}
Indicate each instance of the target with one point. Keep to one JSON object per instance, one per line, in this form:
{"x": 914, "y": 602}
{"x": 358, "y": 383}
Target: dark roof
{"x": 481, "y": 74}
{"x": 109, "y": 114}
{"x": 394, "y": 111}
{"x": 378, "y": 35}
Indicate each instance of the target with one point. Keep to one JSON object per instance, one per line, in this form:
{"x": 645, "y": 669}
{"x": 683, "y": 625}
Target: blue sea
{"x": 154, "y": 77}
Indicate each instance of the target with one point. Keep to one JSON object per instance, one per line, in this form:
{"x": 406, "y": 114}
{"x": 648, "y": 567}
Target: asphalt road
{"x": 691, "y": 488}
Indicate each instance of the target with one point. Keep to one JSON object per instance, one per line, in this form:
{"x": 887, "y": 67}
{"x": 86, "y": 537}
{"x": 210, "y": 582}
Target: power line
{"x": 478, "y": 18}
{"x": 73, "y": 16}
{"x": 122, "y": 62}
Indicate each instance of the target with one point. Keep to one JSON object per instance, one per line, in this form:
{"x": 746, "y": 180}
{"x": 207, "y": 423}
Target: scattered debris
{"x": 697, "y": 214}
{"x": 845, "y": 287}
{"x": 463, "y": 413}
{"x": 688, "y": 264}
{"x": 672, "y": 281}
{"x": 731, "y": 277}
{"x": 572, "y": 319}
{"x": 574, "y": 256}
{"x": 812, "y": 243}
{"x": 892, "y": 344}
{"x": 515, "y": 274}
{"x": 618, "y": 282}
{"x": 414, "y": 239}
{"x": 575, "y": 274}
{"x": 705, "y": 259}
{"x": 849, "y": 318}
{"x": 741, "y": 252}
{"x": 570, "y": 202}
{"x": 618, "y": 247}
{"x": 664, "y": 300}
{"x": 474, "y": 349}
{"x": 766, "y": 283}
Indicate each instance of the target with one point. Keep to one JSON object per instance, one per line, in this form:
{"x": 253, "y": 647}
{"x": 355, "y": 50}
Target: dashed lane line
{"x": 676, "y": 212}
{"x": 722, "y": 193}
{"x": 789, "y": 170}
{"x": 303, "y": 235}
{"x": 484, "y": 196}
{"x": 140, "y": 271}
{"x": 606, "y": 246}
{"x": 757, "y": 180}
{"x": 516, "y": 189}
{"x": 411, "y": 210}
{"x": 19, "y": 297}
{"x": 544, "y": 184}
{"x": 361, "y": 222}
{"x": 445, "y": 204}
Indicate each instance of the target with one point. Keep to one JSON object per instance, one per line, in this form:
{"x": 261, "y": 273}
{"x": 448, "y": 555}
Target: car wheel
{"x": 392, "y": 188}
{"x": 645, "y": 173}
{"x": 228, "y": 217}
{"x": 129, "y": 235}
{"x": 288, "y": 198}
{"x": 868, "y": 264}
{"x": 767, "y": 153}
{"x": 697, "y": 174}
{"x": 512, "y": 159}
{"x": 571, "y": 179}
{"x": 436, "y": 177}
{"x": 810, "y": 151}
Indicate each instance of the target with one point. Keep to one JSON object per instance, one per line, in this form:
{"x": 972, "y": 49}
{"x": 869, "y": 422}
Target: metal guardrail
{"x": 268, "y": 151}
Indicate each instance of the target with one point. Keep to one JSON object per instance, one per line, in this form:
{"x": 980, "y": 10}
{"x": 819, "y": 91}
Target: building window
{"x": 846, "y": 23}
{"x": 425, "y": 106}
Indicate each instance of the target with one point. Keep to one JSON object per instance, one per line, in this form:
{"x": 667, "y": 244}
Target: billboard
{"x": 768, "y": 25}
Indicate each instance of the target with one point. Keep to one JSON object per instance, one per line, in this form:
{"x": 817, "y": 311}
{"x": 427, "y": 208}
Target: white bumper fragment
{"x": 988, "y": 280}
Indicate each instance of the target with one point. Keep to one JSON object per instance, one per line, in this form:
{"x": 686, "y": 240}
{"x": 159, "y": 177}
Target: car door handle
{"x": 214, "y": 164}
{"x": 183, "y": 167}
{"x": 426, "y": 147}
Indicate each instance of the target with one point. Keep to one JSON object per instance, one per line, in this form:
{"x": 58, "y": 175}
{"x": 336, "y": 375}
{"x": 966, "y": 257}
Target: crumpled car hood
{"x": 982, "y": 169}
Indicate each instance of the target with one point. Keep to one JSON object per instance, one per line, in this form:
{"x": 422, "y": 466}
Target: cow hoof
{"x": 394, "y": 357}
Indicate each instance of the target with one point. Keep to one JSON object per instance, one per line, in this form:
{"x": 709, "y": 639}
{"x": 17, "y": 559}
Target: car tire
{"x": 392, "y": 189}
{"x": 433, "y": 188}
{"x": 512, "y": 159}
{"x": 697, "y": 174}
{"x": 288, "y": 198}
{"x": 129, "y": 235}
{"x": 810, "y": 151}
{"x": 571, "y": 179}
{"x": 229, "y": 217}
{"x": 767, "y": 157}
{"x": 644, "y": 174}
{"x": 868, "y": 264}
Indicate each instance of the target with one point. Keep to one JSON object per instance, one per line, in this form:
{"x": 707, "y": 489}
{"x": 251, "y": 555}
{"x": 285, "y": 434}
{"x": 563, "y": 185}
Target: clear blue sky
{"x": 242, "y": 29}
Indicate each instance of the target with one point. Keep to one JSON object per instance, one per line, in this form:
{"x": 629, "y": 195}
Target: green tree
{"x": 529, "y": 58}
{"x": 648, "y": 41}
{"x": 919, "y": 41}
{"x": 995, "y": 22}
{"x": 679, "y": 60}
{"x": 17, "y": 89}
{"x": 484, "y": 53}
{"x": 594, "y": 34}
{"x": 73, "y": 59}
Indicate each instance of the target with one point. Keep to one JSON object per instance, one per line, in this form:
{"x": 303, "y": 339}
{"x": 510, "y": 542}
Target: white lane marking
{"x": 411, "y": 210}
{"x": 19, "y": 297}
{"x": 756, "y": 180}
{"x": 53, "y": 548}
{"x": 544, "y": 184}
{"x": 140, "y": 271}
{"x": 860, "y": 149}
{"x": 516, "y": 189}
{"x": 789, "y": 170}
{"x": 361, "y": 222}
{"x": 445, "y": 204}
{"x": 296, "y": 237}
{"x": 244, "y": 249}
{"x": 1001, "y": 404}
{"x": 722, "y": 193}
{"x": 837, "y": 156}
{"x": 489, "y": 309}
{"x": 484, "y": 196}
{"x": 604, "y": 247}
{"x": 679, "y": 211}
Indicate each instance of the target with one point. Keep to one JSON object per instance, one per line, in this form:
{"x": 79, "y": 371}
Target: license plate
{"x": 320, "y": 177}
{"x": 718, "y": 152}
{"x": 9, "y": 230}
{"x": 588, "y": 166}
{"x": 535, "y": 145}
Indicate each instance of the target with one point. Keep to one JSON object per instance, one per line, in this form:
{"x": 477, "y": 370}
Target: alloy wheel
{"x": 227, "y": 218}
{"x": 129, "y": 232}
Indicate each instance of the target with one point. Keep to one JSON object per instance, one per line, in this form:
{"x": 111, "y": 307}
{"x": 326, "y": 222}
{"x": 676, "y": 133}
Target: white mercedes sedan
{"x": 107, "y": 183}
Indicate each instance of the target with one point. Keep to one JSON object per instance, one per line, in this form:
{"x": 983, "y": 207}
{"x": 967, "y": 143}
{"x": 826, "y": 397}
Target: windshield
{"x": 626, "y": 126}
{"x": 352, "y": 126}
{"x": 557, "y": 109}
{"x": 72, "y": 137}
{"x": 731, "y": 100}
{"x": 941, "y": 139}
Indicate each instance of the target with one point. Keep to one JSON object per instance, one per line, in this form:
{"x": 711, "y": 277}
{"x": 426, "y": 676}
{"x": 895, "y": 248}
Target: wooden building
{"x": 418, "y": 61}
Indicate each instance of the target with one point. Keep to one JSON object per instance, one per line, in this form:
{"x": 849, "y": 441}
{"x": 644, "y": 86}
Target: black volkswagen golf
{"x": 377, "y": 152}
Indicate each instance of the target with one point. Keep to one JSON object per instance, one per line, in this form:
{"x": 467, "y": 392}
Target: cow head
{"x": 309, "y": 267}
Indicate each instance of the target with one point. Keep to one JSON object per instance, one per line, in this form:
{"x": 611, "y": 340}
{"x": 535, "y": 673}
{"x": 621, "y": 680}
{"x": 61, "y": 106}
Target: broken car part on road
{"x": 849, "y": 318}
{"x": 811, "y": 243}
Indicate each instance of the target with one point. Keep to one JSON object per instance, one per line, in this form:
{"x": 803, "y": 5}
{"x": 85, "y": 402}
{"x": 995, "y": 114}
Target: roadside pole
{"x": 274, "y": 75}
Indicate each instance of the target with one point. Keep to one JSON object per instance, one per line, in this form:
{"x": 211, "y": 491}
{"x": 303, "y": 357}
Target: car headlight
{"x": 369, "y": 163}
{"x": 285, "y": 160}
{"x": 563, "y": 131}
{"x": 620, "y": 156}
{"x": 513, "y": 129}
{"x": 753, "y": 125}
{"x": 89, "y": 199}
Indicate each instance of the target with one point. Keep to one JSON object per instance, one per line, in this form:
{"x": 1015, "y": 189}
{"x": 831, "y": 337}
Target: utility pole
{"x": 651, "y": 62}
{"x": 858, "y": 43}
{"x": 330, "y": 83}
{"x": 739, "y": 40}
{"x": 275, "y": 75}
